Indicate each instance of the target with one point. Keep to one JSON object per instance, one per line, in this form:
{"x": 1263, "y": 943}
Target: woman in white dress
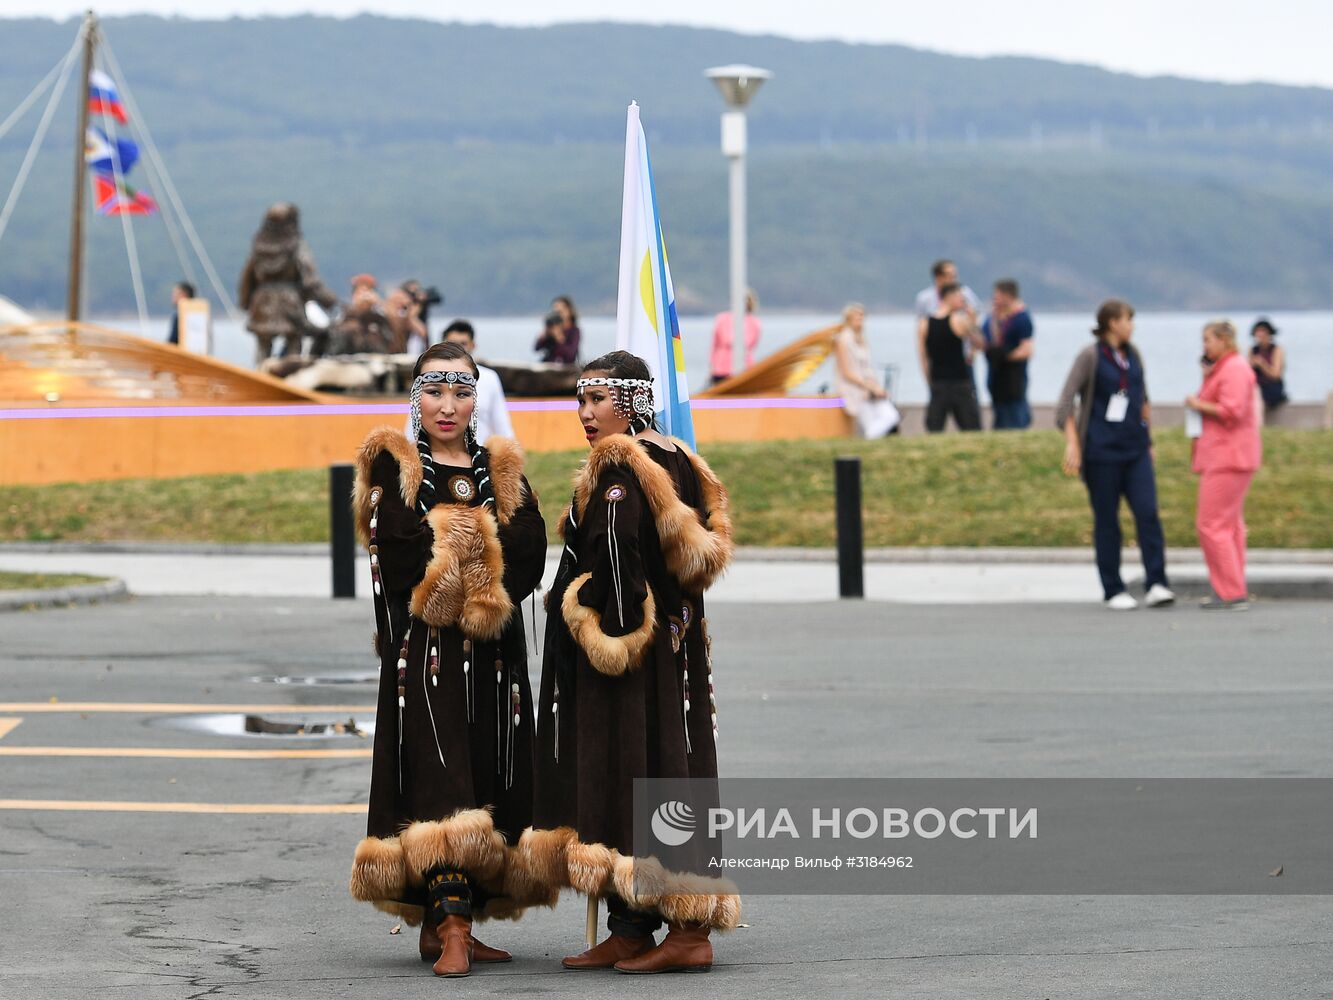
{"x": 864, "y": 397}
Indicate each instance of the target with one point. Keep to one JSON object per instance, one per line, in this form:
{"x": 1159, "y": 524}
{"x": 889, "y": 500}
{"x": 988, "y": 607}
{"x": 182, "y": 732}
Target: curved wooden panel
{"x": 781, "y": 371}
{"x": 58, "y": 361}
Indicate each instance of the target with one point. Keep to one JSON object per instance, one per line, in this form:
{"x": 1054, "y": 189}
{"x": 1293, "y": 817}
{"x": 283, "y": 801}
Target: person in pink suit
{"x": 1226, "y": 456}
{"x": 726, "y": 350}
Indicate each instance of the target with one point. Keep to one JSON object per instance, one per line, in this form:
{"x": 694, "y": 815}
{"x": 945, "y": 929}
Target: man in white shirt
{"x": 943, "y": 272}
{"x": 492, "y": 410}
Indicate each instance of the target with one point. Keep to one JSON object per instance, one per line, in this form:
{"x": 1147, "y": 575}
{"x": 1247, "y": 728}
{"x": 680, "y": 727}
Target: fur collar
{"x": 697, "y": 548}
{"x": 505, "y": 459}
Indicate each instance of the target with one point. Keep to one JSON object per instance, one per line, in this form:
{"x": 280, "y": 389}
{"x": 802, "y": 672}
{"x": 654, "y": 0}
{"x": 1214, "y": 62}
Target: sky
{"x": 1279, "y": 41}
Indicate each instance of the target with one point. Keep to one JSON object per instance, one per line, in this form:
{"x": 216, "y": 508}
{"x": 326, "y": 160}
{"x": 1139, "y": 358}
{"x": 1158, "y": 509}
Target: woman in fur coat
{"x": 456, "y": 542}
{"x": 626, "y": 687}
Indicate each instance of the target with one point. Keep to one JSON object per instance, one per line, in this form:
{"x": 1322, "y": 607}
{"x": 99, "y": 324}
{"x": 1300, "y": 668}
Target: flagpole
{"x": 80, "y": 173}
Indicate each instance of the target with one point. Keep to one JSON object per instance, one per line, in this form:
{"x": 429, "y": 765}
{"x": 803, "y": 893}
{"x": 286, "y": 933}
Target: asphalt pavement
{"x": 142, "y": 856}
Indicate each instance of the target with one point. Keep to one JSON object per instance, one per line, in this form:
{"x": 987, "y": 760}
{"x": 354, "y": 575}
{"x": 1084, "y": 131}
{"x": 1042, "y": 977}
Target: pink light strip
{"x": 373, "y": 409}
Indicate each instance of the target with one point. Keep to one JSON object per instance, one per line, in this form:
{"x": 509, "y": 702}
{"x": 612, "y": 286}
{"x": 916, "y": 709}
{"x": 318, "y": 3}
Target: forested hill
{"x": 487, "y": 160}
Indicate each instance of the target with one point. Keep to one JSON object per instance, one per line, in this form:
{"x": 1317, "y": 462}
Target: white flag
{"x": 646, "y": 321}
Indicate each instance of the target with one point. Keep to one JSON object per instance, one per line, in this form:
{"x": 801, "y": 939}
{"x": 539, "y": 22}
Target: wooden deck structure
{"x": 83, "y": 402}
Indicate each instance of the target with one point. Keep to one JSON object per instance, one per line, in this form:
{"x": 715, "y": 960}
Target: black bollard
{"x": 342, "y": 532}
{"x": 851, "y": 543}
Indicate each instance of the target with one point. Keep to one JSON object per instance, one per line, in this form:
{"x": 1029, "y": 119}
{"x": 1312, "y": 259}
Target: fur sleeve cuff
{"x": 705, "y": 550}
{"x": 464, "y": 581}
{"x": 612, "y": 655}
{"x": 391, "y": 440}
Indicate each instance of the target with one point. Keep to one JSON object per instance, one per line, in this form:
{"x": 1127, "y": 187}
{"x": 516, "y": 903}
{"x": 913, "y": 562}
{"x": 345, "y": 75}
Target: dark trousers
{"x": 957, "y": 397}
{"x": 1134, "y": 480}
{"x": 1014, "y": 416}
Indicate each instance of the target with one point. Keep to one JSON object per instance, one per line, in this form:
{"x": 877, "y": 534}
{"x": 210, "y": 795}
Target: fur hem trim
{"x": 559, "y": 860}
{"x": 383, "y": 868}
{"x": 697, "y": 548}
{"x": 680, "y": 898}
{"x": 463, "y": 583}
{"x": 505, "y": 460}
{"x": 543, "y": 860}
{"x": 404, "y": 452}
{"x": 467, "y": 841}
{"x": 377, "y": 870}
{"x": 610, "y": 655}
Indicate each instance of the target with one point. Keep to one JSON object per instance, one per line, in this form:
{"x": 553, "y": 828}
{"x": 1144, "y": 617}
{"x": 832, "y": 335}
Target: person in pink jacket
{"x": 726, "y": 350}
{"x": 1226, "y": 457}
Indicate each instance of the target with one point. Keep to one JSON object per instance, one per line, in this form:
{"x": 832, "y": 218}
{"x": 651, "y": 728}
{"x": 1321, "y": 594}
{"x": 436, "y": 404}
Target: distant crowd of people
{"x": 1103, "y": 410}
{"x": 951, "y": 333}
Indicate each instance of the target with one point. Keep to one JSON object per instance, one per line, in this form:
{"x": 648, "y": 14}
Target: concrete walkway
{"x": 926, "y": 576}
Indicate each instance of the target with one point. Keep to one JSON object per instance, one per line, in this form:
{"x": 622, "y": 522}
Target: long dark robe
{"x": 451, "y": 777}
{"x": 626, "y": 633}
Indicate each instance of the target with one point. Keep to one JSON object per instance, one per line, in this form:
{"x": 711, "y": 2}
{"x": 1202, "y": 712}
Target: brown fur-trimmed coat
{"x": 626, "y": 637}
{"x": 460, "y": 792}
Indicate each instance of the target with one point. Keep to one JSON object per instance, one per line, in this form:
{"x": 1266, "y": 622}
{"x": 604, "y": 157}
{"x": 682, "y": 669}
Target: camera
{"x": 429, "y": 296}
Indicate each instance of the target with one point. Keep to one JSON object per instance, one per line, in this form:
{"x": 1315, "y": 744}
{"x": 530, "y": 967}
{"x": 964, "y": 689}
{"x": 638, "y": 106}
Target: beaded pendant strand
{"x": 708, "y": 663}
{"x": 467, "y": 681}
{"x": 555, "y": 720}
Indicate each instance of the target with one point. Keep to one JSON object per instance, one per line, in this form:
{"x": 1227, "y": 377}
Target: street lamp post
{"x": 738, "y": 85}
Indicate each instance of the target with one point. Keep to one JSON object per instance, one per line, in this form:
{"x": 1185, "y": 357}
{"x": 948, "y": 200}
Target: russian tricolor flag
{"x": 103, "y": 99}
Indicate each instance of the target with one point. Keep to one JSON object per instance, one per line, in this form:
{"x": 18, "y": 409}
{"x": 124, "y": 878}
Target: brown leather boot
{"x": 429, "y": 942}
{"x": 455, "y": 959}
{"x": 684, "y": 949}
{"x": 485, "y": 953}
{"x": 615, "y": 948}
{"x": 429, "y": 946}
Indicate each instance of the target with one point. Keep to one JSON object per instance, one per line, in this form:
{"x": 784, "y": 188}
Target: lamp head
{"x": 737, "y": 83}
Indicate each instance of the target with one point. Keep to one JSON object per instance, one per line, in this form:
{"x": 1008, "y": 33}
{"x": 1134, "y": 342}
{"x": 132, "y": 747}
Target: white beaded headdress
{"x": 632, "y": 398}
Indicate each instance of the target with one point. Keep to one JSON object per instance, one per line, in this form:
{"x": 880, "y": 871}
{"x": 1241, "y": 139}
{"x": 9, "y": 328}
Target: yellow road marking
{"x": 7, "y": 726}
{"x": 183, "y": 753}
{"x": 253, "y": 808}
{"x": 180, "y": 708}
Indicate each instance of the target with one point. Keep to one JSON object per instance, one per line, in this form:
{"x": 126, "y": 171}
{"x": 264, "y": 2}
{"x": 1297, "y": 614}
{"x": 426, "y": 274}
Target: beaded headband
{"x": 431, "y": 378}
{"x": 467, "y": 378}
{"x": 633, "y": 396}
{"x": 619, "y": 383}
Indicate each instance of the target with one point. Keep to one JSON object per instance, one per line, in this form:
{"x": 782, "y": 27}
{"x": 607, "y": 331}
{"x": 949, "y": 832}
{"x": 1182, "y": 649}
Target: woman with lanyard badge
{"x": 456, "y": 542}
{"x": 1110, "y": 444}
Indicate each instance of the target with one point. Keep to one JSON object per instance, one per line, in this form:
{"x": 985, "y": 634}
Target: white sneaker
{"x": 1159, "y": 597}
{"x": 1122, "y": 602}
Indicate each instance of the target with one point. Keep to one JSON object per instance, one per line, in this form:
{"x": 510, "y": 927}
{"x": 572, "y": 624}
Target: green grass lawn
{"x": 43, "y": 581}
{"x": 955, "y": 489}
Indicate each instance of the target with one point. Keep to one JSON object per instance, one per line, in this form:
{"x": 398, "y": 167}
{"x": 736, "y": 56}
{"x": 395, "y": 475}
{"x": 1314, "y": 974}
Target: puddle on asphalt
{"x": 313, "y": 726}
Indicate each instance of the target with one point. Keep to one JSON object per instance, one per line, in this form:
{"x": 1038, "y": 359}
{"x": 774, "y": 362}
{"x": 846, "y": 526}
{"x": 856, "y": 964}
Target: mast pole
{"x": 80, "y": 172}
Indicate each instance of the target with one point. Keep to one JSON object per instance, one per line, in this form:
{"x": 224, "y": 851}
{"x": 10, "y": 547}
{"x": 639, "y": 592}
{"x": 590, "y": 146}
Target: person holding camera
{"x": 559, "y": 341}
{"x": 364, "y": 328}
{"x": 424, "y": 297}
{"x": 403, "y": 311}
